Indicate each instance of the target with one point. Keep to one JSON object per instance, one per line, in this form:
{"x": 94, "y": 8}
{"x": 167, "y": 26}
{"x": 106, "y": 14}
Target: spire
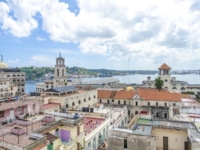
{"x": 1, "y": 57}
{"x": 59, "y": 54}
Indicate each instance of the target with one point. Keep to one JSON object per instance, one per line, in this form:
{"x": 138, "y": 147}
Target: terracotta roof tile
{"x": 116, "y": 94}
{"x": 155, "y": 95}
{"x": 164, "y": 67}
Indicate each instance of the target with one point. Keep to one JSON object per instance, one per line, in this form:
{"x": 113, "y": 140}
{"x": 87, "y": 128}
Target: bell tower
{"x": 164, "y": 74}
{"x": 60, "y": 77}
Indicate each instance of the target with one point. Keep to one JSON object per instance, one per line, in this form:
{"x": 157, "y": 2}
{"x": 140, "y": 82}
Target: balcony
{"x": 70, "y": 144}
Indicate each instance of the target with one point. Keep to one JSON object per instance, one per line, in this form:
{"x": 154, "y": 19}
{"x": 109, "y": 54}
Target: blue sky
{"x": 112, "y": 34}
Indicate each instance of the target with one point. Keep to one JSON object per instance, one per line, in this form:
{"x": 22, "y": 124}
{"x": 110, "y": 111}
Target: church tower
{"x": 164, "y": 74}
{"x": 60, "y": 77}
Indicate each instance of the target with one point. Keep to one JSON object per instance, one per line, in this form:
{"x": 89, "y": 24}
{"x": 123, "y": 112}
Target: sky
{"x": 95, "y": 34}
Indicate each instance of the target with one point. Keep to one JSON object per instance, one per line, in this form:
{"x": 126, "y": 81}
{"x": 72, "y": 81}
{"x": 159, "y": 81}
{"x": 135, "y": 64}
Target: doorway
{"x": 165, "y": 143}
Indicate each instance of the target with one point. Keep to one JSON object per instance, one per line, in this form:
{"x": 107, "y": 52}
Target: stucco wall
{"x": 176, "y": 138}
{"x": 136, "y": 142}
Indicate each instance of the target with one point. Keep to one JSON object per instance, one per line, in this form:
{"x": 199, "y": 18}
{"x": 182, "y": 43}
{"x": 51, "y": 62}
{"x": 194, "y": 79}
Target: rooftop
{"x": 116, "y": 94}
{"x": 24, "y": 139}
{"x": 63, "y": 89}
{"x": 90, "y": 123}
{"x": 163, "y": 95}
{"x": 46, "y": 106}
{"x": 15, "y": 104}
{"x": 164, "y": 67}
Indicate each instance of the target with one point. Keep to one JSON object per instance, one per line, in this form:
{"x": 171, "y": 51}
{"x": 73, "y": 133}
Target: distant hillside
{"x": 39, "y": 72}
{"x": 36, "y": 72}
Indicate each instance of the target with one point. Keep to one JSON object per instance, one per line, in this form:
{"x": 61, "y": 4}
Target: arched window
{"x": 157, "y": 104}
{"x": 182, "y": 88}
{"x": 174, "y": 88}
{"x": 57, "y": 72}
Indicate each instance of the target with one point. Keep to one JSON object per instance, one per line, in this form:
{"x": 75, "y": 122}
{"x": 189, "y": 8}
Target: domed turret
{"x": 2, "y": 63}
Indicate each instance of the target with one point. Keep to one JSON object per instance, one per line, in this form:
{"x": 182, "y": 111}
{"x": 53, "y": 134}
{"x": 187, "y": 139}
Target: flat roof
{"x": 24, "y": 139}
{"x": 90, "y": 123}
{"x": 142, "y": 129}
{"x": 46, "y": 106}
{"x": 15, "y": 104}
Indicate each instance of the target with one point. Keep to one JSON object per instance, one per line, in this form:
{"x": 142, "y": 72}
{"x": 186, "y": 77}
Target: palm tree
{"x": 158, "y": 83}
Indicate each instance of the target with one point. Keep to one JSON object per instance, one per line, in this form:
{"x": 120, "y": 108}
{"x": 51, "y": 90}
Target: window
{"x": 113, "y": 100}
{"x": 73, "y": 103}
{"x": 129, "y": 112}
{"x": 157, "y": 104}
{"x": 125, "y": 143}
{"x": 84, "y": 100}
{"x": 165, "y": 80}
{"x": 165, "y": 104}
{"x": 94, "y": 96}
{"x": 165, "y": 115}
{"x": 89, "y": 98}
{"x": 19, "y": 110}
{"x": 136, "y": 112}
{"x": 34, "y": 106}
{"x": 118, "y": 101}
{"x": 174, "y": 104}
{"x": 108, "y": 101}
{"x": 157, "y": 115}
{"x": 182, "y": 88}
{"x": 79, "y": 101}
{"x": 136, "y": 103}
{"x": 1, "y": 114}
{"x": 124, "y": 102}
{"x": 66, "y": 105}
{"x": 100, "y": 101}
{"x": 148, "y": 103}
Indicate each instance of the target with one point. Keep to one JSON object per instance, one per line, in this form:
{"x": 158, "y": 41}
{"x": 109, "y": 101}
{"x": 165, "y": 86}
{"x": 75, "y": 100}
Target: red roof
{"x": 116, "y": 94}
{"x": 46, "y": 106}
{"x": 156, "y": 95}
{"x": 164, "y": 67}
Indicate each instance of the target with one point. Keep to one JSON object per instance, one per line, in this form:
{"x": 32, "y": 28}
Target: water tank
{"x": 83, "y": 109}
{"x": 91, "y": 109}
{"x": 87, "y": 109}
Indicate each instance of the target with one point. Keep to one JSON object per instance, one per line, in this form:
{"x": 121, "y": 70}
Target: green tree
{"x": 158, "y": 83}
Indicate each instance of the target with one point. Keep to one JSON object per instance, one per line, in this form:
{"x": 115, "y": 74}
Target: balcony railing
{"x": 70, "y": 144}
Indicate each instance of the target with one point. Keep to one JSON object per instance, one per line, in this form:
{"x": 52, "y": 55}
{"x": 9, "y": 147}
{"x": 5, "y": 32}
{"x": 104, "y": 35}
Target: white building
{"x": 59, "y": 79}
{"x": 170, "y": 83}
{"x": 14, "y": 76}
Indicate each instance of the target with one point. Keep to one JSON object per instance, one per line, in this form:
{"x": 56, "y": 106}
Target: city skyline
{"x": 120, "y": 35}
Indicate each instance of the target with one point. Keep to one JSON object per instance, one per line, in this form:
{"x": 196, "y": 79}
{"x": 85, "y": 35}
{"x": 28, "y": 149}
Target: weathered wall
{"x": 136, "y": 142}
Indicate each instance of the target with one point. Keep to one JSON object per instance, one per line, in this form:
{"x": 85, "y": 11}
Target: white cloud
{"x": 153, "y": 31}
{"x": 42, "y": 60}
{"x": 114, "y": 58}
{"x": 40, "y": 39}
{"x": 14, "y": 61}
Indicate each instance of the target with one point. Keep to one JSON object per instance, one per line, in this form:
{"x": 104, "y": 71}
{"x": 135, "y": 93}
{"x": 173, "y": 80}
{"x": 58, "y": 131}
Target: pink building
{"x": 9, "y": 111}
